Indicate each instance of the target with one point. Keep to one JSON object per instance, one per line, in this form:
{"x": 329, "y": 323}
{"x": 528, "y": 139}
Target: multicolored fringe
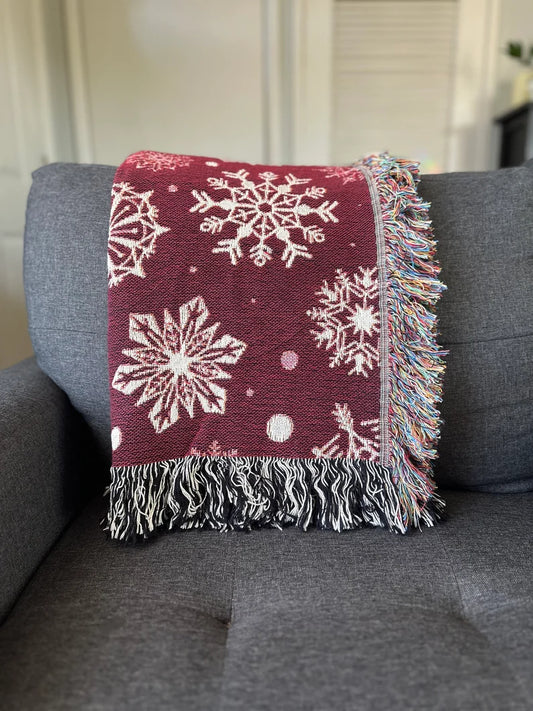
{"x": 416, "y": 363}
{"x": 241, "y": 493}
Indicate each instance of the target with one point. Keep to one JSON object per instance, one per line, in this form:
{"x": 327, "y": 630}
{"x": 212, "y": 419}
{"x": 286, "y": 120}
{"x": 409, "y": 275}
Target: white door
{"x": 412, "y": 77}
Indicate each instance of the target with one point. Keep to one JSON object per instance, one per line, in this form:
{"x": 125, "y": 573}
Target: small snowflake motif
{"x": 263, "y": 211}
{"x": 178, "y": 365}
{"x": 159, "y": 161}
{"x": 346, "y": 173}
{"x": 133, "y": 231}
{"x": 347, "y": 318}
{"x": 213, "y": 450}
{"x": 357, "y": 446}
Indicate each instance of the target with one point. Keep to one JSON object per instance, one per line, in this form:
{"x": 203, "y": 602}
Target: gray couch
{"x": 363, "y": 620}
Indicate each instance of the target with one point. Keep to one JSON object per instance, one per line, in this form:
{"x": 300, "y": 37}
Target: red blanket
{"x": 272, "y": 350}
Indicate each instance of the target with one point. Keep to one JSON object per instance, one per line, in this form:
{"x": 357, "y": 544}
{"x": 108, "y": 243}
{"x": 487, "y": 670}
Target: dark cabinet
{"x": 516, "y": 141}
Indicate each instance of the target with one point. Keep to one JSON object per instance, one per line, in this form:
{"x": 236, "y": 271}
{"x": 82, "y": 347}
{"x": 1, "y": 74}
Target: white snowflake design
{"x": 347, "y": 318}
{"x": 133, "y": 231}
{"x": 357, "y": 445}
{"x": 177, "y": 366}
{"x": 214, "y": 450}
{"x": 159, "y": 161}
{"x": 262, "y": 211}
{"x": 346, "y": 173}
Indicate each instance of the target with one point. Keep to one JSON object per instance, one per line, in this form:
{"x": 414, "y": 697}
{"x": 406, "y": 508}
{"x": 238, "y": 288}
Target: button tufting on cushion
{"x": 320, "y": 620}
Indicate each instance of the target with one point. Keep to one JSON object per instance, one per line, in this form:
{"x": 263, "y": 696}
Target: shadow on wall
{"x": 15, "y": 344}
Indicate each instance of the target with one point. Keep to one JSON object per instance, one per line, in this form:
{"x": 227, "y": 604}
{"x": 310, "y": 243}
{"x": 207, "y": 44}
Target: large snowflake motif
{"x": 178, "y": 365}
{"x": 159, "y": 161}
{"x": 262, "y": 211}
{"x": 347, "y": 318}
{"x": 346, "y": 173}
{"x": 358, "y": 446}
{"x": 133, "y": 231}
{"x": 214, "y": 450}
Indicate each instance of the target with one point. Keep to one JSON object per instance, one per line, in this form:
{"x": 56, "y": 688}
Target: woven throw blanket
{"x": 272, "y": 346}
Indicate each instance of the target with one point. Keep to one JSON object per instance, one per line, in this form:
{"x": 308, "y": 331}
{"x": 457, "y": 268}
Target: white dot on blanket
{"x": 116, "y": 437}
{"x": 280, "y": 427}
{"x": 289, "y": 360}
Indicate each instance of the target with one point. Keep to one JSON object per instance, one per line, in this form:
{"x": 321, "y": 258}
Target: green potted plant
{"x": 523, "y": 83}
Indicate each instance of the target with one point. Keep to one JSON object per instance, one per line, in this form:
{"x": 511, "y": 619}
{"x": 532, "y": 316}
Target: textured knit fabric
{"x": 272, "y": 346}
{"x": 40, "y": 476}
{"x": 438, "y": 620}
{"x": 183, "y": 284}
{"x": 485, "y": 232}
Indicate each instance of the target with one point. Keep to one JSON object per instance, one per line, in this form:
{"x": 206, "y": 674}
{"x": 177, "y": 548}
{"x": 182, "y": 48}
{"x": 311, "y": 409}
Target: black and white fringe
{"x": 241, "y": 493}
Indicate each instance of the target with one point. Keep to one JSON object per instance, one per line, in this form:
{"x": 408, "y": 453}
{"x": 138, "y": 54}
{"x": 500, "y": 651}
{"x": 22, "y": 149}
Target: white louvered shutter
{"x": 393, "y": 65}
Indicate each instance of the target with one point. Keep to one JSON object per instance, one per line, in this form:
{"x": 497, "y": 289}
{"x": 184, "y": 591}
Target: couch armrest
{"x": 41, "y": 484}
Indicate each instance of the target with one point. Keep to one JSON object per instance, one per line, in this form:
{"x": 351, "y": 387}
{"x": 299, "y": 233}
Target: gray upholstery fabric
{"x": 485, "y": 229}
{"x": 282, "y": 620}
{"x": 40, "y": 482}
{"x": 484, "y": 224}
{"x": 65, "y": 280}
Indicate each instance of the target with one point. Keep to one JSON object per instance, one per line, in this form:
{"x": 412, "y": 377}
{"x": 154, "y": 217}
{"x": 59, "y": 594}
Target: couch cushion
{"x": 282, "y": 619}
{"x": 485, "y": 229}
{"x": 65, "y": 280}
{"x": 484, "y": 224}
{"x": 42, "y": 483}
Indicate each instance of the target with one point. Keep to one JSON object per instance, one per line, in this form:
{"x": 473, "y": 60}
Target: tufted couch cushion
{"x": 484, "y": 224}
{"x": 282, "y": 620}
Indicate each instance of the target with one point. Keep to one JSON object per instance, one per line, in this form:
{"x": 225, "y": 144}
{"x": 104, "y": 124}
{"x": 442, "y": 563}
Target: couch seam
{"x": 446, "y": 343}
{"x": 66, "y": 330}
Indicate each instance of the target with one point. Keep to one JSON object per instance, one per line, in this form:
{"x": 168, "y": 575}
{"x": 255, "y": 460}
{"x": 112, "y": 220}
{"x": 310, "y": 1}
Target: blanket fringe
{"x": 241, "y": 493}
{"x": 416, "y": 364}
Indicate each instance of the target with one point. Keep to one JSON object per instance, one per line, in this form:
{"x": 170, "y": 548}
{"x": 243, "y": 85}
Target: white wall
{"x": 34, "y": 129}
